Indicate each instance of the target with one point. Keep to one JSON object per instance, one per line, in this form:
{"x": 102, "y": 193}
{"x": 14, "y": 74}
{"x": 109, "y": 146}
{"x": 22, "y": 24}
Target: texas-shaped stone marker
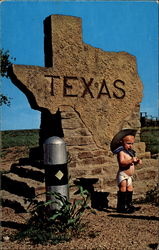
{"x": 102, "y": 87}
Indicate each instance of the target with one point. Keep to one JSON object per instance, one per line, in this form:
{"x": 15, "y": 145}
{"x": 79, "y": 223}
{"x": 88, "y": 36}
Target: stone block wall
{"x": 86, "y": 158}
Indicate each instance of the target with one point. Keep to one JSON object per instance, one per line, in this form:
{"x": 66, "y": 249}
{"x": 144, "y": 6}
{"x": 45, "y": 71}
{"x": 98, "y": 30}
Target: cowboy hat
{"x": 116, "y": 141}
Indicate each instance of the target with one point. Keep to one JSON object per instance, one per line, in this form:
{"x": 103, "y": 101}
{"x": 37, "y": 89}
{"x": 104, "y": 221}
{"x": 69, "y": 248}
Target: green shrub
{"x": 46, "y": 225}
{"x": 152, "y": 196}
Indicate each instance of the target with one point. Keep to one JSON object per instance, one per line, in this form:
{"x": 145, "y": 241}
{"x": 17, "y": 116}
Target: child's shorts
{"x": 121, "y": 176}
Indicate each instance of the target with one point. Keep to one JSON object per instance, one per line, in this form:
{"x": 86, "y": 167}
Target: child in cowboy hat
{"x": 122, "y": 146}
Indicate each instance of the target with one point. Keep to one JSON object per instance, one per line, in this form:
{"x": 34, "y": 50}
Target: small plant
{"x": 47, "y": 225}
{"x": 153, "y": 195}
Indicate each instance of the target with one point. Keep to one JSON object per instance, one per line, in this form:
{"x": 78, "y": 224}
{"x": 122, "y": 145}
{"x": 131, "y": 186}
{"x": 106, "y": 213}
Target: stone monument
{"x": 102, "y": 88}
{"x": 84, "y": 94}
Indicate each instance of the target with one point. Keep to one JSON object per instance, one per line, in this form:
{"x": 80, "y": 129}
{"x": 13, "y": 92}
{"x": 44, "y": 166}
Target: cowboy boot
{"x": 130, "y": 206}
{"x": 121, "y": 202}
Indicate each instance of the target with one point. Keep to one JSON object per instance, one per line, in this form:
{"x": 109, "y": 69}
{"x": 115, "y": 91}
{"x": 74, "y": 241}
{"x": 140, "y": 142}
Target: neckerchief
{"x": 130, "y": 152}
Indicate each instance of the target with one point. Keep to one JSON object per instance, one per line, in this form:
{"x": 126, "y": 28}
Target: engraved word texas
{"x": 70, "y": 91}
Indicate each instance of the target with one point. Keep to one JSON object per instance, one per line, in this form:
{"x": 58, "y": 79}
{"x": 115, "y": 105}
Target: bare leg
{"x": 122, "y": 186}
{"x": 130, "y": 188}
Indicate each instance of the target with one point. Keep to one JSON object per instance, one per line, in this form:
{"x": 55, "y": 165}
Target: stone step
{"x": 149, "y": 173}
{"x": 28, "y": 172}
{"x": 102, "y": 183}
{"x": 13, "y": 201}
{"x": 18, "y": 203}
{"x": 26, "y": 181}
{"x": 143, "y": 186}
{"x": 148, "y": 163}
{"x": 21, "y": 186}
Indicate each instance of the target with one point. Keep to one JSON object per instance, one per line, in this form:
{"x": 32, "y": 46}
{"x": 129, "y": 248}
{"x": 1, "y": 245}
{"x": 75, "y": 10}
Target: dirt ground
{"x": 105, "y": 230}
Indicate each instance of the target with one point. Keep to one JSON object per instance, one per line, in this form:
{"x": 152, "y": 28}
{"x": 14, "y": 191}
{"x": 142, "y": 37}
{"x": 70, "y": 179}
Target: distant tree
{"x": 5, "y": 63}
{"x": 4, "y": 100}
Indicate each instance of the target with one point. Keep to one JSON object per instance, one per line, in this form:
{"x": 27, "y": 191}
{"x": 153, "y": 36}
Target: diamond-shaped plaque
{"x": 59, "y": 175}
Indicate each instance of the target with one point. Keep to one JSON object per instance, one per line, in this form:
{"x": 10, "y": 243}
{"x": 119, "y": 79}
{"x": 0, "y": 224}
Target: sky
{"x": 130, "y": 26}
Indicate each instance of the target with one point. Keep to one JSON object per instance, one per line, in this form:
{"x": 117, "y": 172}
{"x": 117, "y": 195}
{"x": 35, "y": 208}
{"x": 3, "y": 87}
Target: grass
{"x": 30, "y": 138}
{"x": 149, "y": 135}
{"x": 12, "y": 138}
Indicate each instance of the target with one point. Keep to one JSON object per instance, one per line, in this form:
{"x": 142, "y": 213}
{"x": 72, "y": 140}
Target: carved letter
{"x": 52, "y": 83}
{"x": 121, "y": 90}
{"x": 104, "y": 93}
{"x": 66, "y": 86}
{"x": 87, "y": 87}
